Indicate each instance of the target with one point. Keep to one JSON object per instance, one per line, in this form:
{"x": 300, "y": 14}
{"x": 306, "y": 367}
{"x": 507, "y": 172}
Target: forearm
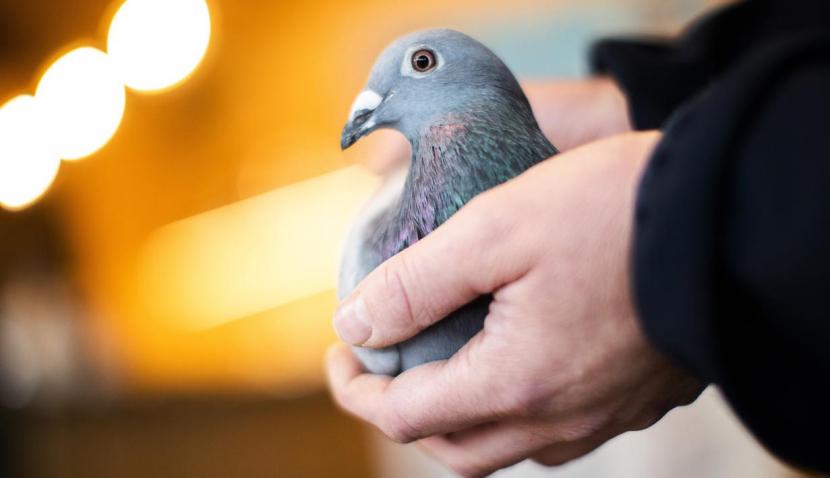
{"x": 731, "y": 254}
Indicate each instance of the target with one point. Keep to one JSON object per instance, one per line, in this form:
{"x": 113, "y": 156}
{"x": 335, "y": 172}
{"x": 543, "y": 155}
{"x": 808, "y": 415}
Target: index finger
{"x": 434, "y": 398}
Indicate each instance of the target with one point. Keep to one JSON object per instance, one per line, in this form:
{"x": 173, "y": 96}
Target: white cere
{"x": 366, "y": 100}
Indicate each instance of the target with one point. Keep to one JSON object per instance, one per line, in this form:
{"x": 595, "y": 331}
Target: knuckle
{"x": 552, "y": 459}
{"x": 344, "y": 401}
{"x": 400, "y": 280}
{"x": 645, "y": 420}
{"x": 525, "y": 399}
{"x": 396, "y": 428}
{"x": 585, "y": 428}
{"x": 469, "y": 468}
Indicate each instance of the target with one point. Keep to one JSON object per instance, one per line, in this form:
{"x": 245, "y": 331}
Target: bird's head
{"x": 428, "y": 75}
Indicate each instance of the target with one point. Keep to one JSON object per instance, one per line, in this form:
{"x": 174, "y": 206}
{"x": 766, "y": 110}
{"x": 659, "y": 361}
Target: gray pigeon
{"x": 471, "y": 128}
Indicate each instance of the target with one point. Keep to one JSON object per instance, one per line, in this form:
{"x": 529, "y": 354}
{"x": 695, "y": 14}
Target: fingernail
{"x": 351, "y": 324}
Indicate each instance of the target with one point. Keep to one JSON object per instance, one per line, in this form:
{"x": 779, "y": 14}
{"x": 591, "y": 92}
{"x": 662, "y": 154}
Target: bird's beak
{"x": 361, "y": 118}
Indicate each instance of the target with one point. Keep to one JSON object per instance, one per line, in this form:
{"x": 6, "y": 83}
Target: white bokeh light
{"x": 83, "y": 102}
{"x": 27, "y": 165}
{"x": 156, "y": 44}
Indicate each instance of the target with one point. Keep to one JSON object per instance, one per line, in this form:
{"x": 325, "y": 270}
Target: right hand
{"x": 561, "y": 365}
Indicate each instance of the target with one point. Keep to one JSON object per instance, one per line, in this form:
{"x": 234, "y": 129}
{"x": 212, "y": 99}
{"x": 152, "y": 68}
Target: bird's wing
{"x": 357, "y": 260}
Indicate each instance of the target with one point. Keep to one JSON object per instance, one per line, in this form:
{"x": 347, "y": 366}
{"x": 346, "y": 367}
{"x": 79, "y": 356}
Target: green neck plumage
{"x": 453, "y": 161}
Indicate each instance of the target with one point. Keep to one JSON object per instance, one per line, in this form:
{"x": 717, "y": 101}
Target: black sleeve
{"x": 658, "y": 75}
{"x": 732, "y": 234}
{"x": 732, "y": 245}
{"x": 732, "y": 230}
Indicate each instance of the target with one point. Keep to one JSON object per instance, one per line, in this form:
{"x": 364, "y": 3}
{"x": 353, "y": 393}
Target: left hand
{"x": 561, "y": 365}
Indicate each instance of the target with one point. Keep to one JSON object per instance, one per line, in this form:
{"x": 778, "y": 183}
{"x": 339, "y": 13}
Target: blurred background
{"x": 166, "y": 288}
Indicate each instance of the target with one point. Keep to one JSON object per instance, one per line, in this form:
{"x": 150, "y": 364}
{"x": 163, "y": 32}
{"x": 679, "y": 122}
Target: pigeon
{"x": 471, "y": 128}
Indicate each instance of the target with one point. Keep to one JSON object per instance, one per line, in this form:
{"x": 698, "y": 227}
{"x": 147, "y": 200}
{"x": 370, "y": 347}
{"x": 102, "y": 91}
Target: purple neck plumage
{"x": 452, "y": 161}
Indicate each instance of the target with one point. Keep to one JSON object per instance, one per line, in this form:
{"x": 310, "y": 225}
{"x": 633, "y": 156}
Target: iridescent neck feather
{"x": 453, "y": 160}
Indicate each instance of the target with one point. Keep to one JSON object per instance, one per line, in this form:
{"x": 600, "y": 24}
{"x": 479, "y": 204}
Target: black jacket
{"x": 732, "y": 228}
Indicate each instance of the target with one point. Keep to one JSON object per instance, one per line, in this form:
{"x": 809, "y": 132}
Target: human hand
{"x": 577, "y": 112}
{"x": 570, "y": 113}
{"x": 560, "y": 366}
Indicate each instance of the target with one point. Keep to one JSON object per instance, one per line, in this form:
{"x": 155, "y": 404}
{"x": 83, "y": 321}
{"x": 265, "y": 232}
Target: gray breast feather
{"x": 437, "y": 342}
{"x": 445, "y": 337}
{"x": 357, "y": 262}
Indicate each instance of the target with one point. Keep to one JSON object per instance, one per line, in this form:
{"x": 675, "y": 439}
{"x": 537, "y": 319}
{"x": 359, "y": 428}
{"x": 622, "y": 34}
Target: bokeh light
{"x": 27, "y": 165}
{"x": 158, "y": 43}
{"x": 83, "y": 101}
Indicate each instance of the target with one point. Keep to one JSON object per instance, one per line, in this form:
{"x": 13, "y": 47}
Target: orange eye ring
{"x": 423, "y": 61}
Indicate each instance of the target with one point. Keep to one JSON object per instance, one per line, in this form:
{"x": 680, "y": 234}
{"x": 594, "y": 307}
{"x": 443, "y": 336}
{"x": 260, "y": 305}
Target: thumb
{"x": 450, "y": 267}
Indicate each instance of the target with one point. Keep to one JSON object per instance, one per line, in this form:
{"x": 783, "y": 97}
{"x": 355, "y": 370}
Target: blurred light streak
{"x": 156, "y": 44}
{"x": 82, "y": 99}
{"x": 253, "y": 255}
{"x": 27, "y": 165}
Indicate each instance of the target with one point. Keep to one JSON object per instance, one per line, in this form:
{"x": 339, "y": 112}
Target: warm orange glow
{"x": 82, "y": 100}
{"x": 27, "y": 166}
{"x": 253, "y": 255}
{"x": 267, "y": 113}
{"x": 158, "y": 43}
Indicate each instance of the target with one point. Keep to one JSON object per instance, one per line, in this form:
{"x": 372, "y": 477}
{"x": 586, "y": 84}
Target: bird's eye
{"x": 423, "y": 60}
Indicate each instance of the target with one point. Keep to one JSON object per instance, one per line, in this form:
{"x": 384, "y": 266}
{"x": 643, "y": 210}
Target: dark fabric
{"x": 659, "y": 75}
{"x": 732, "y": 229}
